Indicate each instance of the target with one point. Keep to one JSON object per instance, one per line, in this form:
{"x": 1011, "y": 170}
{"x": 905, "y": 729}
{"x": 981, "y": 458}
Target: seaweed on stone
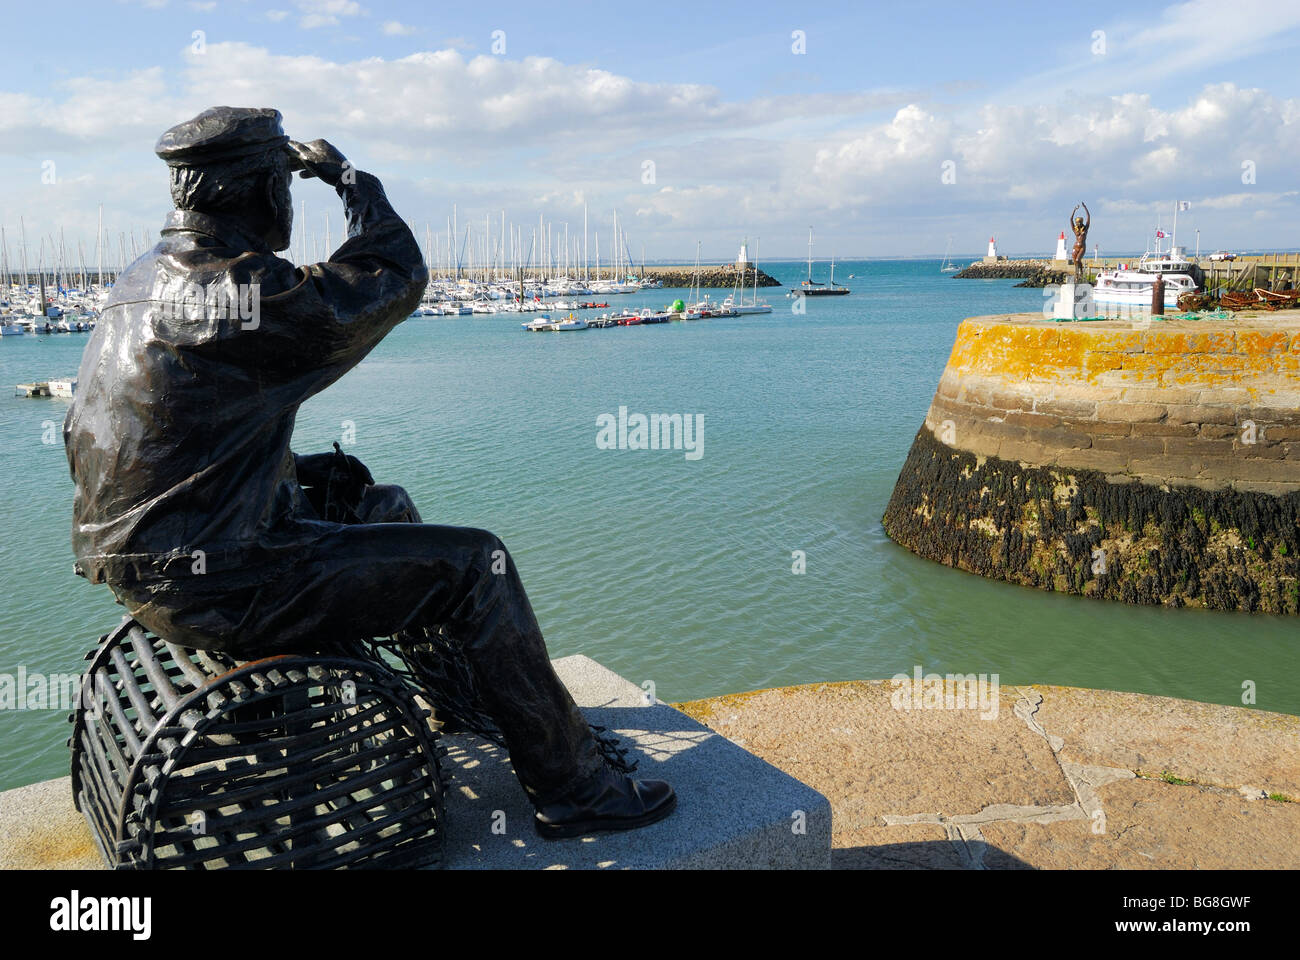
{"x": 1184, "y": 546}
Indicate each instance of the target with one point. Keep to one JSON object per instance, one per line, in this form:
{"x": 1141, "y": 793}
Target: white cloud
{"x": 484, "y": 101}
{"x": 1237, "y": 201}
{"x": 395, "y": 28}
{"x": 326, "y": 13}
{"x": 538, "y": 133}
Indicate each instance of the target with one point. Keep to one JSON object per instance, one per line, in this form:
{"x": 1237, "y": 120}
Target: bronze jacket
{"x": 178, "y": 436}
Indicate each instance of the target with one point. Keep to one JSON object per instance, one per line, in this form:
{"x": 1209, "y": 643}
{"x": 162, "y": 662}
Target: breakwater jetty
{"x": 1268, "y": 271}
{"x": 711, "y": 275}
{"x": 1137, "y": 460}
{"x": 1035, "y": 273}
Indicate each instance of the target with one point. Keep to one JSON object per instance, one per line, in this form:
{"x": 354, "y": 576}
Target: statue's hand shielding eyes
{"x": 317, "y": 159}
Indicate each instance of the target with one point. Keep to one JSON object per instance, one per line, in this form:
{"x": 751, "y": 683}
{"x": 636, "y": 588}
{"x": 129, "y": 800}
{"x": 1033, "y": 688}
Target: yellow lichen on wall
{"x": 1163, "y": 401}
{"x": 1262, "y": 356}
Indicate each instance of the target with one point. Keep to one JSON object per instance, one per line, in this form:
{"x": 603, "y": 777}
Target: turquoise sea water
{"x": 665, "y": 569}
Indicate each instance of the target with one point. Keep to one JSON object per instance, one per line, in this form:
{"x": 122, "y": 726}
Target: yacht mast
{"x": 695, "y": 287}
{"x": 99, "y": 245}
{"x": 23, "y": 231}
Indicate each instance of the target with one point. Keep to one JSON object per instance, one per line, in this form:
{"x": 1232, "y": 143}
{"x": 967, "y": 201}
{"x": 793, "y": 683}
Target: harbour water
{"x": 670, "y": 570}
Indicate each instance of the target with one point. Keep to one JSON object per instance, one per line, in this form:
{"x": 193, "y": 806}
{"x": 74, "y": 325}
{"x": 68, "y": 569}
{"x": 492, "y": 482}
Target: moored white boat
{"x": 729, "y": 306}
{"x": 1135, "y": 288}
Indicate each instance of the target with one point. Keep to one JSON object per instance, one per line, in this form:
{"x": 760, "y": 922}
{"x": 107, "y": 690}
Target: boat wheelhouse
{"x": 1134, "y": 288}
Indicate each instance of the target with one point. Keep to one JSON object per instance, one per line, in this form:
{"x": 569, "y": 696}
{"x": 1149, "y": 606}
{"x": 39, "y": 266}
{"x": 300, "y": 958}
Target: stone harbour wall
{"x": 1153, "y": 462}
{"x": 710, "y": 276}
{"x": 1034, "y": 272}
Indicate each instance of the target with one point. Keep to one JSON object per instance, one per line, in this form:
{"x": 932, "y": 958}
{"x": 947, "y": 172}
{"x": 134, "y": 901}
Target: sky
{"x": 887, "y": 127}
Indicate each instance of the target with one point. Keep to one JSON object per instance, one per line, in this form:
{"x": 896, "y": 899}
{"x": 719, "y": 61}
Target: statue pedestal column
{"x": 1065, "y": 307}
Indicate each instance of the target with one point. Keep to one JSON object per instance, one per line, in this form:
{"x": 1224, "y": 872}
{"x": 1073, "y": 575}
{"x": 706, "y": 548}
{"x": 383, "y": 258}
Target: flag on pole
{"x": 1184, "y": 204}
{"x": 1160, "y": 234}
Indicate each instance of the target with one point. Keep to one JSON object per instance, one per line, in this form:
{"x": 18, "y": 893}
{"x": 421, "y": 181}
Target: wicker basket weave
{"x": 189, "y": 759}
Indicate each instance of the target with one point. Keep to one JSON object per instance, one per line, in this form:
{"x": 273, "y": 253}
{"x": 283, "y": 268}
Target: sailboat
{"x": 948, "y": 266}
{"x": 695, "y": 307}
{"x": 741, "y": 308}
{"x": 815, "y": 288}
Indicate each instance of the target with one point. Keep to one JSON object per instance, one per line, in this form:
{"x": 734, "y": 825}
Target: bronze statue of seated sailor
{"x": 193, "y": 510}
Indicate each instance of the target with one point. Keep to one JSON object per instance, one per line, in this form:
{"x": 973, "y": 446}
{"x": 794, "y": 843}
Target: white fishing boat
{"x": 1133, "y": 288}
{"x": 571, "y": 323}
{"x": 538, "y": 324}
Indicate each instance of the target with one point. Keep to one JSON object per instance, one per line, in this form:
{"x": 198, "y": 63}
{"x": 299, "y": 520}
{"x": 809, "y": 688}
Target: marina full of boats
{"x": 70, "y": 311}
{"x": 544, "y": 289}
{"x": 483, "y": 268}
{"x": 678, "y": 311}
{"x": 30, "y": 310}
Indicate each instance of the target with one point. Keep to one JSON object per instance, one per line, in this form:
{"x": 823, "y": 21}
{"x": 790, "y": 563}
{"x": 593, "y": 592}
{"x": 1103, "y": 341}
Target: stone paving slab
{"x": 1063, "y": 778}
{"x": 920, "y": 846}
{"x": 1151, "y": 824}
{"x": 848, "y": 742}
{"x": 1203, "y": 742}
{"x": 40, "y": 829}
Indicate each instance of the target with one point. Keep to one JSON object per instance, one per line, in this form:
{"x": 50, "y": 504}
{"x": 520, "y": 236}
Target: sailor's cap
{"x": 220, "y": 134}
